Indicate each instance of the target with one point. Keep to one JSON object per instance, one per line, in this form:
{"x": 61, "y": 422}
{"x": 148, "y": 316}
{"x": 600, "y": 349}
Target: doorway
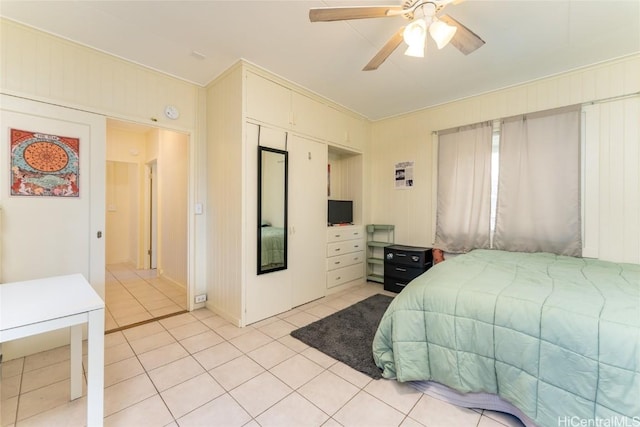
{"x": 146, "y": 224}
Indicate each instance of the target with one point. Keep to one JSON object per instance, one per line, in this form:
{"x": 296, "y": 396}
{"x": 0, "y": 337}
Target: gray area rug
{"x": 347, "y": 335}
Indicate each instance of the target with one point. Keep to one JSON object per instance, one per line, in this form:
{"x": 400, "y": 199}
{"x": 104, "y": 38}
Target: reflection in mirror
{"x": 272, "y": 210}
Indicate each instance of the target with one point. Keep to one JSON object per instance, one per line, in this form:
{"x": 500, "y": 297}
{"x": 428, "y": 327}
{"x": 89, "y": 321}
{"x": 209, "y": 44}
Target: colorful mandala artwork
{"x": 44, "y": 165}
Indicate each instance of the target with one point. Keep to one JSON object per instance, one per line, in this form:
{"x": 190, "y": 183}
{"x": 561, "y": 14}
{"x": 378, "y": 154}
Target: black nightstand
{"x": 402, "y": 264}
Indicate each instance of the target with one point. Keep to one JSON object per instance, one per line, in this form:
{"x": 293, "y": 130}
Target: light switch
{"x": 198, "y": 208}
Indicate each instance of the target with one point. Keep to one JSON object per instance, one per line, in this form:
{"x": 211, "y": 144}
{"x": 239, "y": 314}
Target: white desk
{"x": 36, "y": 306}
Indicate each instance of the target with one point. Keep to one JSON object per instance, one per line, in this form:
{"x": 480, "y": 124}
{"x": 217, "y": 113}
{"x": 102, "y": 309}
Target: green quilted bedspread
{"x": 558, "y": 337}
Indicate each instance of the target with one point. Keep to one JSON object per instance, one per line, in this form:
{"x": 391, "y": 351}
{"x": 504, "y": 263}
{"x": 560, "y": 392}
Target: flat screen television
{"x": 340, "y": 212}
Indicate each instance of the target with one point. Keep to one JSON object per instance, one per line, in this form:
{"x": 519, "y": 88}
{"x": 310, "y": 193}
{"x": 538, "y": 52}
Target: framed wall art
{"x": 44, "y": 165}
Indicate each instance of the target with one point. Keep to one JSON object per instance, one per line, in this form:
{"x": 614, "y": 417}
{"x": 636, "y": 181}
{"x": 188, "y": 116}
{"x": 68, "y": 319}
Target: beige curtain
{"x": 464, "y": 188}
{"x": 539, "y": 184}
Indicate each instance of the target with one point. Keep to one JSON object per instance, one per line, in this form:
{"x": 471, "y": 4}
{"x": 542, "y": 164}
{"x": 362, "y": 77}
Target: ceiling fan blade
{"x": 465, "y": 40}
{"x": 344, "y": 13}
{"x": 386, "y": 50}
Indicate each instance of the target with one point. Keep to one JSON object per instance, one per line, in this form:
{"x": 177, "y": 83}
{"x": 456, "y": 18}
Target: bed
{"x": 551, "y": 337}
{"x": 272, "y": 246}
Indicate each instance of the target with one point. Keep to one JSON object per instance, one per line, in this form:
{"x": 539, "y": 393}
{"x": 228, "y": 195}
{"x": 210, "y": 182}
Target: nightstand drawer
{"x": 407, "y": 255}
{"x": 394, "y": 285}
{"x": 403, "y": 272}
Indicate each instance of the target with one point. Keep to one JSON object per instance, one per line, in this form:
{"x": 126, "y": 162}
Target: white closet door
{"x": 47, "y": 235}
{"x": 265, "y": 294}
{"x": 307, "y": 218}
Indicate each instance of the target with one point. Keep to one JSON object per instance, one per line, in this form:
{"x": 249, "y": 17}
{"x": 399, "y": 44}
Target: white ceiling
{"x": 525, "y": 40}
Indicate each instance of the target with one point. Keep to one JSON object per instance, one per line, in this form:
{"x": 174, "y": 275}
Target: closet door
{"x": 307, "y": 218}
{"x": 265, "y": 294}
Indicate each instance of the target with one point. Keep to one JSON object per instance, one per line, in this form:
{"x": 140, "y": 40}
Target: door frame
{"x": 151, "y": 215}
{"x": 192, "y": 166}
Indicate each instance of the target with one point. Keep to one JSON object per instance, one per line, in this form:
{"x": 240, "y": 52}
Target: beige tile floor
{"x": 196, "y": 369}
{"x": 133, "y": 296}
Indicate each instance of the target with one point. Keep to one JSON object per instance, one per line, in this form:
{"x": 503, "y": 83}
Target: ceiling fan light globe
{"x": 416, "y": 50}
{"x": 442, "y": 33}
{"x": 415, "y": 33}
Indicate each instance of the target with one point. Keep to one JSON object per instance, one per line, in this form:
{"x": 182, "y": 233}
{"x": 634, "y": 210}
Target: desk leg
{"x": 95, "y": 380}
{"x": 76, "y": 361}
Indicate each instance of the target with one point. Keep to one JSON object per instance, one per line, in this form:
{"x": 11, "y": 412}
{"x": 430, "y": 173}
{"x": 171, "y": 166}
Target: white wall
{"x": 409, "y": 138}
{"x": 172, "y": 206}
{"x": 122, "y": 216}
{"x": 125, "y": 179}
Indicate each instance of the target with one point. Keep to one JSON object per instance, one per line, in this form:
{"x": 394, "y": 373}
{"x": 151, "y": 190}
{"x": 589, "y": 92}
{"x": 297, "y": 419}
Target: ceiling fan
{"x": 422, "y": 16}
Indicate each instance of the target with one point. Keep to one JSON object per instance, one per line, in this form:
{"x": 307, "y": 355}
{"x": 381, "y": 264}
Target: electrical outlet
{"x": 201, "y": 298}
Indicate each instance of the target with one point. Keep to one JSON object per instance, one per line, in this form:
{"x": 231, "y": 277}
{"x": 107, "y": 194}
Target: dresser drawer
{"x": 344, "y": 260}
{"x": 343, "y": 275}
{"x": 339, "y": 234}
{"x": 346, "y": 247}
{"x": 408, "y": 255}
{"x": 403, "y": 272}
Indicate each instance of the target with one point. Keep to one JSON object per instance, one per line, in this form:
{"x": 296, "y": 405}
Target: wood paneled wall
{"x": 225, "y": 188}
{"x": 612, "y": 180}
{"x": 45, "y": 67}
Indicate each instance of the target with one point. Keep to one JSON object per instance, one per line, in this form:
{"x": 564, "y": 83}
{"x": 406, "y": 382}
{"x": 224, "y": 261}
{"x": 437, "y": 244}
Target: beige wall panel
{"x": 615, "y": 132}
{"x": 631, "y": 76}
{"x": 172, "y": 205}
{"x": 124, "y": 146}
{"x": 48, "y": 68}
{"x": 631, "y": 210}
{"x": 408, "y": 137}
{"x": 408, "y": 210}
{"x": 225, "y": 186}
{"x": 120, "y": 230}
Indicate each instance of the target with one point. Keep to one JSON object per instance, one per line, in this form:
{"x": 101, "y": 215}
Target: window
{"x": 464, "y": 188}
{"x": 512, "y": 184}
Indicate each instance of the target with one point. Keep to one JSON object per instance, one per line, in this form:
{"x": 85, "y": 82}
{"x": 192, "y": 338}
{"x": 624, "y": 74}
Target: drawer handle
{"x": 337, "y": 262}
{"x": 401, "y": 284}
{"x": 400, "y": 269}
{"x": 337, "y": 250}
{"x": 338, "y": 278}
{"x": 399, "y": 254}
{"x": 356, "y": 233}
{"x": 336, "y": 235}
{"x": 356, "y": 246}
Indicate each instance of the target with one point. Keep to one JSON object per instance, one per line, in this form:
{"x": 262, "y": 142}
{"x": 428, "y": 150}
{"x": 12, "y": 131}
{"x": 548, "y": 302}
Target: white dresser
{"x": 345, "y": 254}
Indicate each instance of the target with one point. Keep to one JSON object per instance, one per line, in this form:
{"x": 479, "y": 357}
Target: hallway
{"x": 133, "y": 296}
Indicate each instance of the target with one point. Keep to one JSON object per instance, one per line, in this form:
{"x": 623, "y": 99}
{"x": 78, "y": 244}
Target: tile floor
{"x": 196, "y": 369}
{"x": 133, "y": 296}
